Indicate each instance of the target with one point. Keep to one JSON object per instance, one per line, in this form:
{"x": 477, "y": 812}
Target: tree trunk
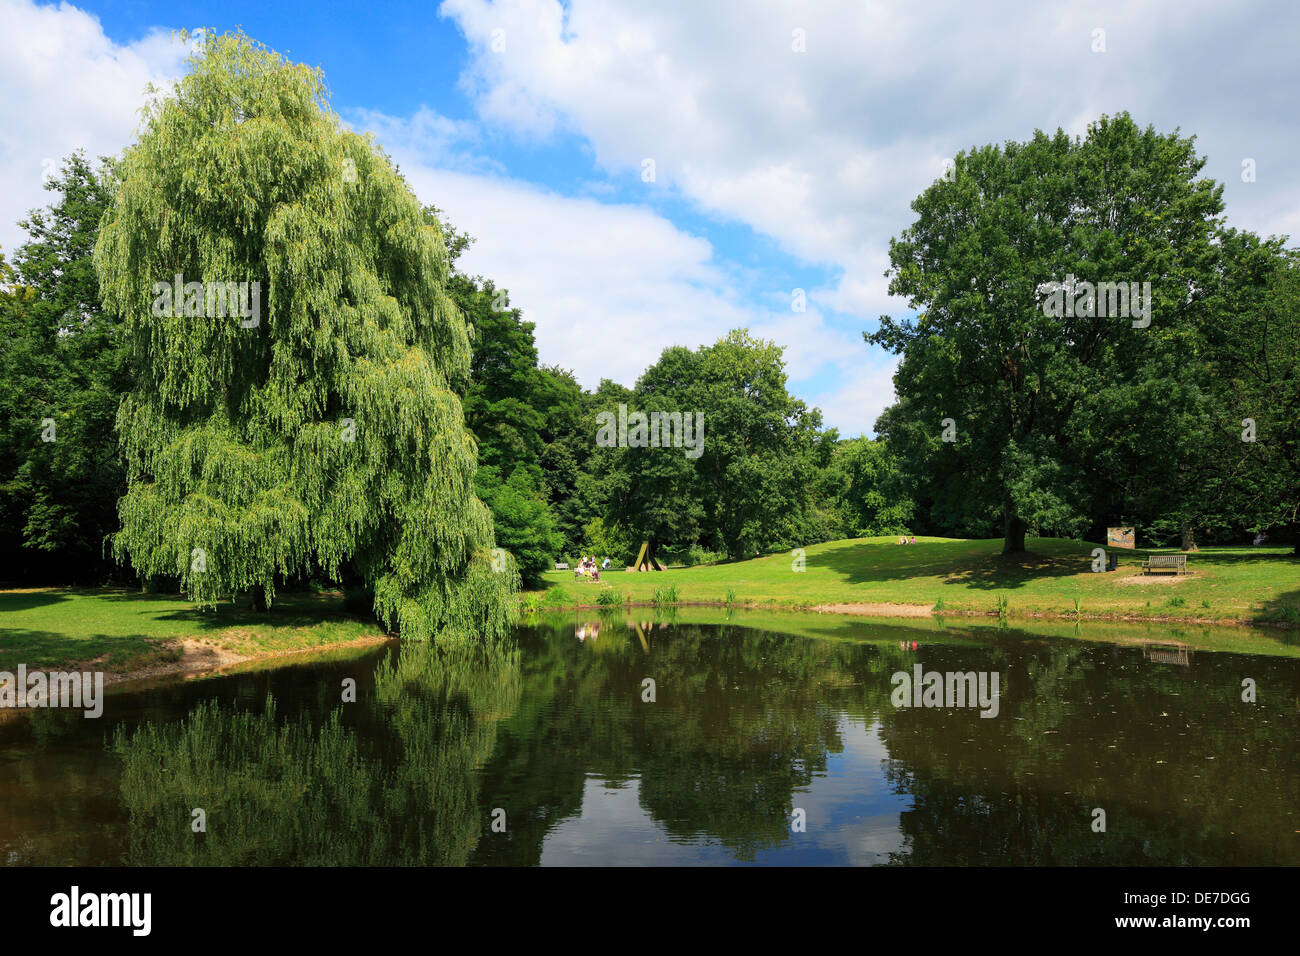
{"x": 257, "y": 600}
{"x": 1013, "y": 535}
{"x": 1189, "y": 537}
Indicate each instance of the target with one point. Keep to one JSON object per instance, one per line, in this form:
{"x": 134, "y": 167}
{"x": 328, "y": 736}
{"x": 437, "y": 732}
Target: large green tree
{"x": 747, "y": 485}
{"x": 63, "y": 364}
{"x": 863, "y": 487}
{"x": 318, "y": 429}
{"x": 1252, "y": 346}
{"x": 1011, "y": 407}
{"x": 510, "y": 404}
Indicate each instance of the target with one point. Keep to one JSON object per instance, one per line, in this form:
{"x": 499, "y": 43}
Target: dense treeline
{"x": 763, "y": 475}
{"x": 768, "y": 475}
{"x": 64, "y": 370}
{"x": 1010, "y": 420}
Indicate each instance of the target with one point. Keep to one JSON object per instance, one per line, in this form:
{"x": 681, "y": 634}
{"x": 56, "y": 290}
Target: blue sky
{"x": 788, "y": 139}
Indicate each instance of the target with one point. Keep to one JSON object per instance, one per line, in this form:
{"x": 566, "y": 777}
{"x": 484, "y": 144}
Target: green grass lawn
{"x": 127, "y": 630}
{"x": 55, "y": 626}
{"x": 1226, "y": 584}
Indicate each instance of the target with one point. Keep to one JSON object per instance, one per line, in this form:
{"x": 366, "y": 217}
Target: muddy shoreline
{"x": 201, "y": 659}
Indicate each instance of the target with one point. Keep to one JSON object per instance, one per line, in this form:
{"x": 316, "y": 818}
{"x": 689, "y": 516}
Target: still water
{"x": 750, "y": 746}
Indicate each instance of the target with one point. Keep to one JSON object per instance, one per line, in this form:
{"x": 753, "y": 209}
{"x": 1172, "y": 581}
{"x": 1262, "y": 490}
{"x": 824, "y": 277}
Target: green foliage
{"x": 328, "y": 433}
{"x": 522, "y": 520}
{"x": 1053, "y": 414}
{"x": 557, "y": 597}
{"x": 1253, "y": 349}
{"x": 502, "y": 396}
{"x": 312, "y": 793}
{"x": 864, "y": 486}
{"x": 695, "y": 556}
{"x": 750, "y": 486}
{"x": 531, "y": 602}
{"x": 62, "y": 361}
{"x": 605, "y": 539}
{"x": 666, "y": 596}
{"x": 523, "y": 415}
{"x": 610, "y": 597}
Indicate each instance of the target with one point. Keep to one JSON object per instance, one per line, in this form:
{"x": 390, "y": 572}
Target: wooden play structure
{"x": 645, "y": 559}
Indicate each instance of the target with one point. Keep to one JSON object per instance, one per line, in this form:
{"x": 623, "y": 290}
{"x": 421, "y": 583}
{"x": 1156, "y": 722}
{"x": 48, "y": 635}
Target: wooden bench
{"x": 1167, "y": 654}
{"x": 561, "y": 566}
{"x": 1165, "y": 562}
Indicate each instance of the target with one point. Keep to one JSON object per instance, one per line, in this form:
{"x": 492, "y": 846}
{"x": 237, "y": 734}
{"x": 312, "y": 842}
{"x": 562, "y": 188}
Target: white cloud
{"x": 823, "y": 150}
{"x": 854, "y": 407}
{"x": 64, "y": 85}
{"x": 610, "y": 286}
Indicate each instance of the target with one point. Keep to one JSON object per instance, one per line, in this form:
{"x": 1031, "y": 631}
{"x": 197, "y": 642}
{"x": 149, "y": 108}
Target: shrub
{"x": 665, "y": 596}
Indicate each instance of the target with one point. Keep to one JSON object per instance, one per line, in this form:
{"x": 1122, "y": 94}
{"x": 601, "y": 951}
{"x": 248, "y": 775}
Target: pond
{"x": 606, "y": 740}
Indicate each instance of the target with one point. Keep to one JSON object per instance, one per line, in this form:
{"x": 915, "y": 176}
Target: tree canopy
{"x": 63, "y": 362}
{"x": 319, "y": 427}
{"x": 1012, "y": 407}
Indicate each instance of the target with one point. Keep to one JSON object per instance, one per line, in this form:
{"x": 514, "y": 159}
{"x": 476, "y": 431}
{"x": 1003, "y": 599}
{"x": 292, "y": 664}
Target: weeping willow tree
{"x": 295, "y": 349}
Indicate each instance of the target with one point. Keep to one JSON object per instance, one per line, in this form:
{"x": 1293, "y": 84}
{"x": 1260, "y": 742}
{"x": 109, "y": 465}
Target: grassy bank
{"x": 126, "y": 631}
{"x": 1055, "y": 579}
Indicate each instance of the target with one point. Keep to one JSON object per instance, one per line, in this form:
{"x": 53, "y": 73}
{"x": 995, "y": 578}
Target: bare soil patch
{"x": 191, "y": 657}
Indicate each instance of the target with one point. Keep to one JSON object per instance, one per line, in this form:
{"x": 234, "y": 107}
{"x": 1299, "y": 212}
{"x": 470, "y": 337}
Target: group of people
{"x": 587, "y": 568}
{"x": 906, "y": 540}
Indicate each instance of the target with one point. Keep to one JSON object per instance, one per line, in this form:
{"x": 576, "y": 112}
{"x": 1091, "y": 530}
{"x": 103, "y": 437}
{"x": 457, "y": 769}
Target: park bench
{"x": 1165, "y": 562}
{"x": 1167, "y": 654}
{"x": 561, "y": 566}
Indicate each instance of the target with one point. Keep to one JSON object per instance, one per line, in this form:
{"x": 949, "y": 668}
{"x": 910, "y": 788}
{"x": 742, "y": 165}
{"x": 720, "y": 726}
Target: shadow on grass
{"x": 293, "y": 609}
{"x": 977, "y": 565}
{"x": 1283, "y": 609}
{"x": 43, "y": 649}
{"x": 973, "y": 568}
{"x": 30, "y": 600}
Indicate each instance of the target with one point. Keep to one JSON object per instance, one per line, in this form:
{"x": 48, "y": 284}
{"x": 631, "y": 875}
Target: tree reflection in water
{"x": 305, "y": 792}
